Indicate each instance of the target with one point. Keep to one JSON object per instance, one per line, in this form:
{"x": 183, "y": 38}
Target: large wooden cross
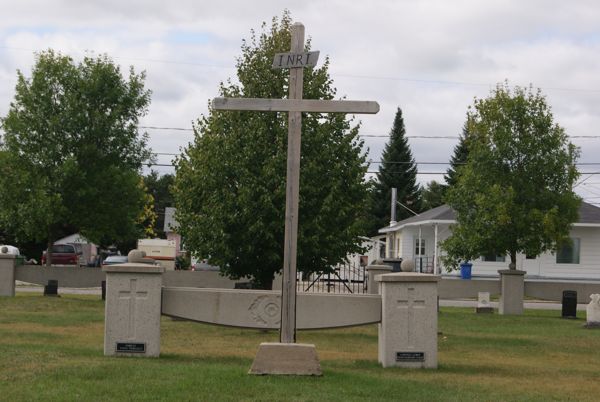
{"x": 296, "y": 60}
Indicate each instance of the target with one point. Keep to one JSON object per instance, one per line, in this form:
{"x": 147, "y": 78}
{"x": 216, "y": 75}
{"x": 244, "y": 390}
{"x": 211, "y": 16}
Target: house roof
{"x": 589, "y": 215}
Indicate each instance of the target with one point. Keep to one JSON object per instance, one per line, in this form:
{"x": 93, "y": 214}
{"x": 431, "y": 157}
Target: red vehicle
{"x": 63, "y": 254}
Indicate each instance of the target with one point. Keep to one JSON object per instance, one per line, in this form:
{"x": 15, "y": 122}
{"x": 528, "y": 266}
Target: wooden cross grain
{"x": 296, "y": 60}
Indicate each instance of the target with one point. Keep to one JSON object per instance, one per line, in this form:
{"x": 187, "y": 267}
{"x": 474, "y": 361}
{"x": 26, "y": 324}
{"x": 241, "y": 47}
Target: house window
{"x": 493, "y": 257}
{"x": 569, "y": 253}
{"x": 419, "y": 248}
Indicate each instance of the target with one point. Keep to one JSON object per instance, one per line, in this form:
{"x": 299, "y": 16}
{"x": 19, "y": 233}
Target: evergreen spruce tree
{"x": 459, "y": 158}
{"x": 398, "y": 169}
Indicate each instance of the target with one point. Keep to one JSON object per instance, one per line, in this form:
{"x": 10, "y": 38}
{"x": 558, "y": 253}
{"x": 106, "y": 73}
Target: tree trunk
{"x": 49, "y": 252}
{"x": 513, "y": 260}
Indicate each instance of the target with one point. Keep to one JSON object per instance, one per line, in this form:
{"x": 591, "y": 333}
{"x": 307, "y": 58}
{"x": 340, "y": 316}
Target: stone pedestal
{"x": 286, "y": 359}
{"x": 372, "y": 271}
{"x": 512, "y": 286}
{"x": 132, "y": 314}
{"x": 7, "y": 275}
{"x": 408, "y": 331}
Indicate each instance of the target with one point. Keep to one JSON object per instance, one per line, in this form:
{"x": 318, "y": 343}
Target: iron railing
{"x": 344, "y": 278}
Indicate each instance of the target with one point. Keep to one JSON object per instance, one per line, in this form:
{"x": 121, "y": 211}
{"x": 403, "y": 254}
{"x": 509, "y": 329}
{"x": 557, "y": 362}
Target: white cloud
{"x": 428, "y": 57}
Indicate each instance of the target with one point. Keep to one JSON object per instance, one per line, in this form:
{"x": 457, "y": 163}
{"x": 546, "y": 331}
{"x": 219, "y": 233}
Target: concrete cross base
{"x": 484, "y": 310}
{"x": 286, "y": 359}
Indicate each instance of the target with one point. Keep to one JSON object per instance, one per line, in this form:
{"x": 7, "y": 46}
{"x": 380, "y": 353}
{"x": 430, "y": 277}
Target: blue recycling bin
{"x": 465, "y": 270}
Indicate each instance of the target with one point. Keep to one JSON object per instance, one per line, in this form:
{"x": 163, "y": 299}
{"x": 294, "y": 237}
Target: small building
{"x": 417, "y": 238}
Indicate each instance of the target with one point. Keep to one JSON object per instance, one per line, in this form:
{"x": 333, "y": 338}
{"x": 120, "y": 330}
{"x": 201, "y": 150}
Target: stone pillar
{"x": 512, "y": 285}
{"x": 7, "y": 275}
{"x": 372, "y": 271}
{"x": 132, "y": 313}
{"x": 408, "y": 331}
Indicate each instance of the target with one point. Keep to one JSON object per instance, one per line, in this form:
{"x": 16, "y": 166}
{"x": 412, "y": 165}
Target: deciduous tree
{"x": 72, "y": 153}
{"x": 515, "y": 194}
{"x": 230, "y": 183}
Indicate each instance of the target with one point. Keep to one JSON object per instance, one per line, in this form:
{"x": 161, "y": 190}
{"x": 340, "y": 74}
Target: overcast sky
{"x": 430, "y": 58}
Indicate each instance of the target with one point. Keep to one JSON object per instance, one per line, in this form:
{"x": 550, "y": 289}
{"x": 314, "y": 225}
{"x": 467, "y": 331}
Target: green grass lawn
{"x": 52, "y": 349}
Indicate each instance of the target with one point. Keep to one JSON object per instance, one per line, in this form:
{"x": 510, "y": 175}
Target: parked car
{"x": 115, "y": 259}
{"x": 63, "y": 254}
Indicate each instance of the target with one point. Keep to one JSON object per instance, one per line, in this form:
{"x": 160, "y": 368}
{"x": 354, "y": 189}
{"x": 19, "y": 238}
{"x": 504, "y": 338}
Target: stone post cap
{"x": 132, "y": 267}
{"x": 379, "y": 267}
{"x": 511, "y": 272}
{"x": 137, "y": 256}
{"x": 8, "y": 256}
{"x": 407, "y": 266}
{"x": 137, "y": 263}
{"x": 407, "y": 277}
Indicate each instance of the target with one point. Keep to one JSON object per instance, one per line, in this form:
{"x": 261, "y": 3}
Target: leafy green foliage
{"x": 459, "y": 158}
{"x": 71, "y": 156}
{"x": 515, "y": 194}
{"x": 398, "y": 169}
{"x": 160, "y": 189}
{"x": 230, "y": 183}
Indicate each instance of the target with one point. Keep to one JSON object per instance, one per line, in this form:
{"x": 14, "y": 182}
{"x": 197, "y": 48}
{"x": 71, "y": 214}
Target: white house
{"x": 418, "y": 238}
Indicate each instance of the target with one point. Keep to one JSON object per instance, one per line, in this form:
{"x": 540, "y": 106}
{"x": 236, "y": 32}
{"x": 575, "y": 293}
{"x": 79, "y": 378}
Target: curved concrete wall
{"x": 262, "y": 309}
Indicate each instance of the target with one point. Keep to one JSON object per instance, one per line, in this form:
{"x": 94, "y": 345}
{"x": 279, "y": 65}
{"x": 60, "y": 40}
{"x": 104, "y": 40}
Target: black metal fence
{"x": 424, "y": 264}
{"x": 345, "y": 278}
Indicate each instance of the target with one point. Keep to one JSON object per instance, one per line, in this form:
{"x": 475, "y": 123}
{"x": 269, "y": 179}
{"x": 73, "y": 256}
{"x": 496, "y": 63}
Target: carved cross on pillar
{"x": 133, "y": 296}
{"x": 294, "y": 105}
{"x": 409, "y": 304}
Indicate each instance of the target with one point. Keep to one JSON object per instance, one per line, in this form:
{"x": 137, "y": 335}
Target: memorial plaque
{"x": 131, "y": 347}
{"x": 295, "y": 60}
{"x": 410, "y": 356}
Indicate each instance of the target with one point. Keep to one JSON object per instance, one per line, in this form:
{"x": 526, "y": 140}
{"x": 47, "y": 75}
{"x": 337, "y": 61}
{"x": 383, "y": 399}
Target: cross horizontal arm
{"x": 296, "y": 105}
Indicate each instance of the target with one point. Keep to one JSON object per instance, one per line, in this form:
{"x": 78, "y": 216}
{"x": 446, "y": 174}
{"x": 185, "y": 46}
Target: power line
{"x": 353, "y": 76}
{"x": 425, "y": 137}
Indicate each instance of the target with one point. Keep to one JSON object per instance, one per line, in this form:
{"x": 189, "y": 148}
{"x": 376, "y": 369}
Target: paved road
{"x": 69, "y": 291}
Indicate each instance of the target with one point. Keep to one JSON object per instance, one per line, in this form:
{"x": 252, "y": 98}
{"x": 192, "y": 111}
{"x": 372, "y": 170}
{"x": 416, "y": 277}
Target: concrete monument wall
{"x": 262, "y": 308}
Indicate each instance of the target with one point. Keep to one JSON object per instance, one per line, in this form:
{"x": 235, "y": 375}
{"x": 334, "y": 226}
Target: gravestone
{"x": 51, "y": 289}
{"x": 408, "y": 330}
{"x": 593, "y": 312}
{"x": 132, "y": 310}
{"x": 483, "y": 303}
{"x": 569, "y": 304}
{"x": 295, "y": 61}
